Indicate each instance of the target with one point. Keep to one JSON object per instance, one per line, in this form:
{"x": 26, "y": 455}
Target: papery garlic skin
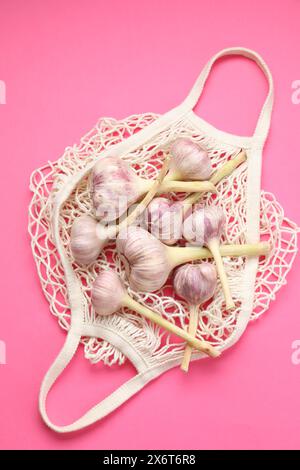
{"x": 86, "y": 243}
{"x": 190, "y": 160}
{"x": 107, "y": 293}
{"x": 203, "y": 225}
{"x": 195, "y": 283}
{"x": 165, "y": 219}
{"x": 114, "y": 187}
{"x": 148, "y": 261}
{"x": 145, "y": 259}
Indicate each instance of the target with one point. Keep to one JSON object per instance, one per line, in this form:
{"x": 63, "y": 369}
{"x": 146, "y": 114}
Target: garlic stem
{"x": 180, "y": 255}
{"x": 88, "y": 237}
{"x": 214, "y": 247}
{"x": 220, "y": 174}
{"x": 174, "y": 175}
{"x": 192, "y": 329}
{"x": 228, "y": 167}
{"x": 202, "y": 346}
{"x": 153, "y": 188}
{"x": 181, "y": 186}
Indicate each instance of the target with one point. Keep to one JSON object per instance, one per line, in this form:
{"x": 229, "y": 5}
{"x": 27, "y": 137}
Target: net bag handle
{"x": 263, "y": 123}
{"x": 76, "y": 299}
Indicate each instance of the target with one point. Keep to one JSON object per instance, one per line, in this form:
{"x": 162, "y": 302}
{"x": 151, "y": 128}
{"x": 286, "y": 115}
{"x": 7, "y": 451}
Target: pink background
{"x": 65, "y": 64}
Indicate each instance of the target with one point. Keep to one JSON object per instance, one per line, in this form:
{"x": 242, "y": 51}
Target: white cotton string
{"x": 215, "y": 324}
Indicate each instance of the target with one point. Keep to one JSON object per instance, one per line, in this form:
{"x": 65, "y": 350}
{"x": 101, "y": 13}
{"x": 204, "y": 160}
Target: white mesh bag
{"x": 61, "y": 193}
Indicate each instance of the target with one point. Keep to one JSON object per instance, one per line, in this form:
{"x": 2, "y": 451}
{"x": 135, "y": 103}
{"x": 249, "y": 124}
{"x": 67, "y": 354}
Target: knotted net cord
{"x": 216, "y": 325}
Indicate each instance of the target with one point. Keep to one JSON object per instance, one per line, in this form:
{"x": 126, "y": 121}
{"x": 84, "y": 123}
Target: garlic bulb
{"x": 203, "y": 224}
{"x": 190, "y": 161}
{"x": 88, "y": 238}
{"x": 86, "y": 245}
{"x": 115, "y": 187}
{"x": 203, "y": 227}
{"x": 225, "y": 170}
{"x": 195, "y": 283}
{"x": 148, "y": 262}
{"x": 145, "y": 259}
{"x": 109, "y": 295}
{"x": 165, "y": 219}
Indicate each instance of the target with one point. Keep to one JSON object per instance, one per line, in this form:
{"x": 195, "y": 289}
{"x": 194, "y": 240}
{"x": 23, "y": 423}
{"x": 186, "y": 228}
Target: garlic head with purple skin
{"x": 204, "y": 224}
{"x": 195, "y": 283}
{"x": 164, "y": 219}
{"x": 148, "y": 262}
{"x": 88, "y": 238}
{"x": 204, "y": 227}
{"x": 145, "y": 259}
{"x": 189, "y": 161}
{"x": 109, "y": 295}
{"x": 115, "y": 187}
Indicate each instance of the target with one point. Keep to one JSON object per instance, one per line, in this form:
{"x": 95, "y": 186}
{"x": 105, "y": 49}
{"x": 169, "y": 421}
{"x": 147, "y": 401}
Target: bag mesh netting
{"x": 216, "y": 325}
